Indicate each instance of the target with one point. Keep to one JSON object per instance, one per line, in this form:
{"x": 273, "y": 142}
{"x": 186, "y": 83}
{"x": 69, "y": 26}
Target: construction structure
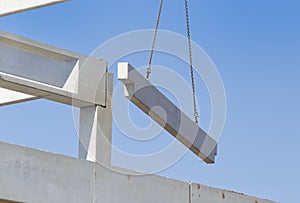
{"x": 31, "y": 70}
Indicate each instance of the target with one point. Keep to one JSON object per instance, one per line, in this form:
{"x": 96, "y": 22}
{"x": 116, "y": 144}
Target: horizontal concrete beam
{"x": 29, "y": 175}
{"x": 203, "y": 194}
{"x": 8, "y": 7}
{"x": 45, "y": 71}
{"x": 151, "y": 101}
{"x": 8, "y": 97}
{"x": 38, "y": 90}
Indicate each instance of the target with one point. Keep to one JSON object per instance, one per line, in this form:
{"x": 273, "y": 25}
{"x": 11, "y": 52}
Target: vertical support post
{"x": 95, "y": 129}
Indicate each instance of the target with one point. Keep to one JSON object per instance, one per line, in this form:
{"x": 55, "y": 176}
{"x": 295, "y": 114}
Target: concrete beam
{"x": 201, "y": 194}
{"x": 29, "y": 175}
{"x": 8, "y": 97}
{"x": 49, "y": 72}
{"x": 8, "y": 7}
{"x": 31, "y": 70}
{"x": 151, "y": 101}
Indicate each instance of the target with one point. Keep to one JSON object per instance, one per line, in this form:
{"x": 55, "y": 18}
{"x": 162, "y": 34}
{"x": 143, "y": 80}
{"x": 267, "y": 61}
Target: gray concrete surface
{"x": 29, "y": 175}
{"x": 31, "y": 70}
{"x": 151, "y": 101}
{"x": 95, "y": 129}
{"x": 8, "y": 7}
{"x": 44, "y": 71}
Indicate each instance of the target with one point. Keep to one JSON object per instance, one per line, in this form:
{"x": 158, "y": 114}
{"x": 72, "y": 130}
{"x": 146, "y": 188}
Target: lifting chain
{"x": 191, "y": 60}
{"x": 154, "y": 40}
{"x": 196, "y": 116}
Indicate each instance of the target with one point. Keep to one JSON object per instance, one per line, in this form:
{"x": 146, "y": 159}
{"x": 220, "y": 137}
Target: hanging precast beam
{"x": 151, "y": 101}
{"x": 8, "y": 7}
{"x": 38, "y": 70}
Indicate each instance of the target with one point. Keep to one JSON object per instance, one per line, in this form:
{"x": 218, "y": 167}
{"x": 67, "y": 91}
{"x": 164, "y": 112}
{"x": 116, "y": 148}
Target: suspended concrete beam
{"x": 8, "y": 7}
{"x": 48, "y": 72}
{"x": 151, "y": 101}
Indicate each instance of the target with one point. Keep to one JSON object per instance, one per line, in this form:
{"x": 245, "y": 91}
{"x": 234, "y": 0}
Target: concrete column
{"x": 95, "y": 133}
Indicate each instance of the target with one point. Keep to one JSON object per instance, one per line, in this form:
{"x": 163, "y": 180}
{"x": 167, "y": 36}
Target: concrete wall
{"x": 28, "y": 175}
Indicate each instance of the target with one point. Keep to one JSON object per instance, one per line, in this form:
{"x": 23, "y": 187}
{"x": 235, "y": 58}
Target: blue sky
{"x": 255, "y": 46}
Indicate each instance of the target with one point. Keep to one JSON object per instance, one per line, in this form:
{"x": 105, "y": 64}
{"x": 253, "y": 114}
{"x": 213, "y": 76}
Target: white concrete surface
{"x": 151, "y": 101}
{"x": 95, "y": 131}
{"x": 48, "y": 72}
{"x": 32, "y": 176}
{"x": 31, "y": 70}
{"x": 29, "y": 175}
{"x": 15, "y": 6}
{"x": 201, "y": 194}
{"x": 8, "y": 97}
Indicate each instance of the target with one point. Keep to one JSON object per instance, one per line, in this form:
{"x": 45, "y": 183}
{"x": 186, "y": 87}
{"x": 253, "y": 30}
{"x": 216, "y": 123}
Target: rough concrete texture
{"x": 29, "y": 175}
{"x": 205, "y": 194}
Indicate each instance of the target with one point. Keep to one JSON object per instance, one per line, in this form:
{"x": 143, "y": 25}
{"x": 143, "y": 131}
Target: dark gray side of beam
{"x": 146, "y": 97}
{"x": 174, "y": 122}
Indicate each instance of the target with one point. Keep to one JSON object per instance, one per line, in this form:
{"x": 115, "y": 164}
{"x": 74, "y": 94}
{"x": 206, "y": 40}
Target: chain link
{"x": 148, "y": 71}
{"x": 154, "y": 40}
{"x": 191, "y": 60}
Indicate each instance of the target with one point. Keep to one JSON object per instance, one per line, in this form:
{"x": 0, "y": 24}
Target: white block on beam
{"x": 8, "y": 97}
{"x": 8, "y": 7}
{"x": 145, "y": 96}
{"x": 49, "y": 72}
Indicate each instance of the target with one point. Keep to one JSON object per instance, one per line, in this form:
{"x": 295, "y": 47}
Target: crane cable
{"x": 148, "y": 71}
